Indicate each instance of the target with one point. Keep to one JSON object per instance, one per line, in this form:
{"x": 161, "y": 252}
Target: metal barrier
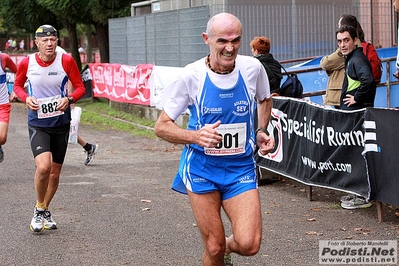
{"x": 386, "y": 84}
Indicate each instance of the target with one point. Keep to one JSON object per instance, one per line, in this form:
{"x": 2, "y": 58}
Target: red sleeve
{"x": 20, "y": 79}
{"x": 7, "y": 62}
{"x": 72, "y": 70}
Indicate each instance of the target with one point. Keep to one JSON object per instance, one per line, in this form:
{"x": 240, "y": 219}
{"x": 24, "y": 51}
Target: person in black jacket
{"x": 359, "y": 88}
{"x": 261, "y": 50}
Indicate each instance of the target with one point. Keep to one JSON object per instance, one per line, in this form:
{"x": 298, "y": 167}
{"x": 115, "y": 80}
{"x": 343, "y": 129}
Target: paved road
{"x": 121, "y": 211}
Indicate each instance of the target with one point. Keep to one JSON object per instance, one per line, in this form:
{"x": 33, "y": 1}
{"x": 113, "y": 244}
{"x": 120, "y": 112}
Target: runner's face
{"x": 345, "y": 43}
{"x": 46, "y": 45}
{"x": 224, "y": 42}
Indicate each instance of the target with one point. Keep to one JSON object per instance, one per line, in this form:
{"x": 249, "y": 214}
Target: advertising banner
{"x": 381, "y": 152}
{"x": 122, "y": 83}
{"x": 317, "y": 146}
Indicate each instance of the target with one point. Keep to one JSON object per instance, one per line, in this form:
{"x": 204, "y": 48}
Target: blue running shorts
{"x": 202, "y": 174}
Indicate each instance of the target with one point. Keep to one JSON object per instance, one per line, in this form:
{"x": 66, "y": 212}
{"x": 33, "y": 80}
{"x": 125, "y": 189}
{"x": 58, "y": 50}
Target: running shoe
{"x": 49, "y": 223}
{"x": 91, "y": 153}
{"x": 348, "y": 198}
{"x": 228, "y": 261}
{"x": 37, "y": 223}
{"x": 356, "y": 203}
{"x": 1, "y": 155}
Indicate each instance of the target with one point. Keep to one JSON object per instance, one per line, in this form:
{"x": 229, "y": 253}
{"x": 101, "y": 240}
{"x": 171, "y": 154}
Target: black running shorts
{"x": 54, "y": 140}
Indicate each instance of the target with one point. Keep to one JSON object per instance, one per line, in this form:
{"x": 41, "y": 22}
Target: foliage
{"x": 102, "y": 10}
{"x": 68, "y": 11}
{"x": 2, "y": 29}
{"x": 28, "y": 15}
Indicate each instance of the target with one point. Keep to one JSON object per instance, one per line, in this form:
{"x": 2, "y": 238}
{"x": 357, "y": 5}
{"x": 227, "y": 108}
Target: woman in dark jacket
{"x": 261, "y": 50}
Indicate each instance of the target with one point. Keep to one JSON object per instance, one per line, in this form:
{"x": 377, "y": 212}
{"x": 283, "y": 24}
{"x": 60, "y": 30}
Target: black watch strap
{"x": 70, "y": 100}
{"x": 261, "y": 129}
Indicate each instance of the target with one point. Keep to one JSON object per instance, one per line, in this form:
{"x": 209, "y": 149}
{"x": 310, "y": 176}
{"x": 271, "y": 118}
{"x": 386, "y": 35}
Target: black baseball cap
{"x": 45, "y": 31}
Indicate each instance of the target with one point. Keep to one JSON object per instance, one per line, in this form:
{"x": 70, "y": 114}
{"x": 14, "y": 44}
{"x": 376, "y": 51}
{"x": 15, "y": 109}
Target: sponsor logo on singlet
{"x": 226, "y": 95}
{"x": 212, "y": 110}
{"x": 241, "y": 108}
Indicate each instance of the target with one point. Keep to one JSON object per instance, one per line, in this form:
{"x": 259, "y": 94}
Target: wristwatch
{"x": 70, "y": 100}
{"x": 261, "y": 129}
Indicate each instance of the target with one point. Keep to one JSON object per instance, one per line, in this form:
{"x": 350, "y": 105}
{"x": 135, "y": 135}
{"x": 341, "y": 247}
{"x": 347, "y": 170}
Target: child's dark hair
{"x": 351, "y": 20}
{"x": 351, "y": 30}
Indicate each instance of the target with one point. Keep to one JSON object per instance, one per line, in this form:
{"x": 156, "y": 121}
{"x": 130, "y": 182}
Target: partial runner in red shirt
{"x": 5, "y": 106}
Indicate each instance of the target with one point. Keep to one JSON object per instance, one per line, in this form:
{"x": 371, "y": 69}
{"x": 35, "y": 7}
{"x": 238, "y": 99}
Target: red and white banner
{"x": 122, "y": 83}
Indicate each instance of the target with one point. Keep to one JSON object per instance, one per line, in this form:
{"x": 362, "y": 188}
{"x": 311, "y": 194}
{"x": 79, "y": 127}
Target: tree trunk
{"x": 103, "y": 39}
{"x": 89, "y": 48}
{"x": 74, "y": 43}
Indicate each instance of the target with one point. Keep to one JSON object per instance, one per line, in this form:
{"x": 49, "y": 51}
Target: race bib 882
{"x": 48, "y": 107}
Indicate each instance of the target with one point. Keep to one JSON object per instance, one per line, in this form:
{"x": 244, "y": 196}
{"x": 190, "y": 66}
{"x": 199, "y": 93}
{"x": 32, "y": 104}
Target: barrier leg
{"x": 380, "y": 211}
{"x": 310, "y": 193}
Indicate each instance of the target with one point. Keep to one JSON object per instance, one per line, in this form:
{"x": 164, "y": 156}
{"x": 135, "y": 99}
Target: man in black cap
{"x": 47, "y": 73}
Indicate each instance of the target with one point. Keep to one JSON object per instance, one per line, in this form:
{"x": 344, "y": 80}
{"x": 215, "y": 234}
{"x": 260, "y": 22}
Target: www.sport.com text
{"x": 327, "y": 166}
